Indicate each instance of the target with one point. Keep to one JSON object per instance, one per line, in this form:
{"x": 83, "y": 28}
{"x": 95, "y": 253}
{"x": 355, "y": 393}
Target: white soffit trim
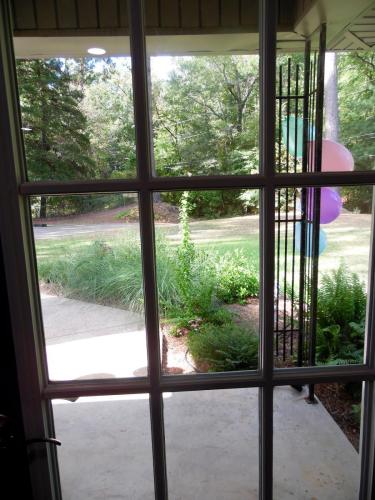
{"x": 231, "y": 43}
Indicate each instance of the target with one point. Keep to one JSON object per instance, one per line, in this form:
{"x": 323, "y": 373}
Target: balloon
{"x": 335, "y": 156}
{"x": 295, "y": 150}
{"x": 330, "y": 204}
{"x": 309, "y": 239}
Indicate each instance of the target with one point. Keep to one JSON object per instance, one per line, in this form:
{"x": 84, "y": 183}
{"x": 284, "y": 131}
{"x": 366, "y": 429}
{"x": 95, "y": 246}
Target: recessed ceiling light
{"x": 96, "y": 51}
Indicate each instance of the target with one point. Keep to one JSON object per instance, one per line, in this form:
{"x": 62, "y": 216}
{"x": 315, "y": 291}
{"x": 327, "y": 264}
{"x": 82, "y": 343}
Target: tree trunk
{"x": 43, "y": 207}
{"x": 156, "y": 195}
{"x": 331, "y": 120}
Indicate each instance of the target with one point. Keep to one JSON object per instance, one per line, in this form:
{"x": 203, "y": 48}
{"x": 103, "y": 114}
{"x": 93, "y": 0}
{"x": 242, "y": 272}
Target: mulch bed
{"x": 339, "y": 404}
{"x": 335, "y": 397}
{"x": 163, "y": 212}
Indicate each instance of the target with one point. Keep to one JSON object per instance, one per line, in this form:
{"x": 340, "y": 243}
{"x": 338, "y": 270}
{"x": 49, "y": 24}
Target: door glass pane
{"x": 212, "y": 444}
{"x": 352, "y": 123}
{"x": 90, "y": 276}
{"x": 316, "y": 445}
{"x": 106, "y": 447}
{"x": 207, "y": 256}
{"x": 349, "y": 105}
{"x": 77, "y": 111}
{"x": 321, "y": 274}
{"x": 205, "y": 89}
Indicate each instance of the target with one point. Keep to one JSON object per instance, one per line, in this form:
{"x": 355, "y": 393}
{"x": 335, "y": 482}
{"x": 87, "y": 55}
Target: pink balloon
{"x": 335, "y": 156}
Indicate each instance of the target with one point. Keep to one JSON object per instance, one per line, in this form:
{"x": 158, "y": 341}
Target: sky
{"x": 161, "y": 66}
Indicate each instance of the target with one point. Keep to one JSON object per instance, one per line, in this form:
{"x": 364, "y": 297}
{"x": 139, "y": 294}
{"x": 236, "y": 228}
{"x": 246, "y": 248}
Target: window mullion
{"x": 19, "y": 260}
{"x": 367, "y": 444}
{"x": 267, "y": 34}
{"x": 144, "y": 170}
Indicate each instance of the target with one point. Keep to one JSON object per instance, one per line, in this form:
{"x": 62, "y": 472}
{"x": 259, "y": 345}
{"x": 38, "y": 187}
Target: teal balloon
{"x": 295, "y": 149}
{"x": 309, "y": 239}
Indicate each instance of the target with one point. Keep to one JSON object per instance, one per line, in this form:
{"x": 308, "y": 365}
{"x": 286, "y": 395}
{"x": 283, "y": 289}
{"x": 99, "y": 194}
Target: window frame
{"x": 37, "y": 391}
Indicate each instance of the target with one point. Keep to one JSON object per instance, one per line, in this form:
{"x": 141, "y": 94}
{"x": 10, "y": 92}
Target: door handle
{"x": 50, "y": 440}
{"x": 7, "y": 437}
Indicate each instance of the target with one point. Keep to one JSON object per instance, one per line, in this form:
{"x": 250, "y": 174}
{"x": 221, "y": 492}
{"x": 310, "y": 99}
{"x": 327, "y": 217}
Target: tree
{"x": 331, "y": 98}
{"x": 108, "y": 106}
{"x": 356, "y": 90}
{"x": 56, "y": 142}
{"x": 206, "y": 116}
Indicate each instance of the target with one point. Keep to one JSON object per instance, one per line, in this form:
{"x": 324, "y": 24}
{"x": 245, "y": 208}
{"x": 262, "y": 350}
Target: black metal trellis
{"x": 300, "y": 89}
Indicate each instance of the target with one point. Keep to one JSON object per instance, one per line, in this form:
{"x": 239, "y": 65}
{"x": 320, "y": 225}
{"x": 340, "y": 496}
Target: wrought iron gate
{"x": 300, "y": 89}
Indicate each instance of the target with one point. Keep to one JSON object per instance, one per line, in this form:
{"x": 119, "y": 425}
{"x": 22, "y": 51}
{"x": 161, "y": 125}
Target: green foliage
{"x": 250, "y": 200}
{"x": 57, "y": 145}
{"x": 213, "y": 204}
{"x": 111, "y": 274}
{"x": 341, "y": 318}
{"x": 356, "y": 412}
{"x": 341, "y": 299}
{"x": 108, "y": 106}
{"x": 195, "y": 273}
{"x": 205, "y": 120}
{"x": 224, "y": 348}
{"x": 237, "y": 278}
{"x": 206, "y": 116}
{"x": 356, "y": 88}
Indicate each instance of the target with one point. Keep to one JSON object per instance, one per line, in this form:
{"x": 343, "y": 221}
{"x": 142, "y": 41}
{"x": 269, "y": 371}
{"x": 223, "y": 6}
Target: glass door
{"x": 138, "y": 228}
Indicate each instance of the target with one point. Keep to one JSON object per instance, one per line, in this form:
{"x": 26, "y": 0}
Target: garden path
{"x": 211, "y": 445}
{"x": 86, "y": 340}
{"x": 211, "y": 436}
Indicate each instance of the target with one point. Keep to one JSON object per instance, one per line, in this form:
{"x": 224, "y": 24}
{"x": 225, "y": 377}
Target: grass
{"x": 348, "y": 232}
{"x": 105, "y": 267}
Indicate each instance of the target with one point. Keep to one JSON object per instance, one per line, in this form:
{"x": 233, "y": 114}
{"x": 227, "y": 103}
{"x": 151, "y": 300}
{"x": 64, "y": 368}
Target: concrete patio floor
{"x": 211, "y": 436}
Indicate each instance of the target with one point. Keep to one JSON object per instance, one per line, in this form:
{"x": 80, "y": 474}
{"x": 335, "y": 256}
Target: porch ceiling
{"x": 50, "y": 28}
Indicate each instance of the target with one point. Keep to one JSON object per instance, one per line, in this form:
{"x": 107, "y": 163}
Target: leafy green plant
{"x": 341, "y": 318}
{"x": 112, "y": 274}
{"x": 328, "y": 341}
{"x": 341, "y": 299}
{"x": 356, "y": 412}
{"x": 225, "y": 347}
{"x": 195, "y": 272}
{"x": 237, "y": 278}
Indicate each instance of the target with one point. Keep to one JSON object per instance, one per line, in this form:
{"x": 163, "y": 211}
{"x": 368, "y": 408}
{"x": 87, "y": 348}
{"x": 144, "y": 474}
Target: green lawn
{"x": 348, "y": 240}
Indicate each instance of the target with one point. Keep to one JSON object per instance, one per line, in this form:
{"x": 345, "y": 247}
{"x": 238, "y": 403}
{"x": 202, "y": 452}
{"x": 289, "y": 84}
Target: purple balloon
{"x": 330, "y": 204}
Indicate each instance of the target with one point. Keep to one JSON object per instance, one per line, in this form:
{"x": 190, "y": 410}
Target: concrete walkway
{"x": 91, "y": 341}
{"x": 211, "y": 444}
{"x": 211, "y": 436}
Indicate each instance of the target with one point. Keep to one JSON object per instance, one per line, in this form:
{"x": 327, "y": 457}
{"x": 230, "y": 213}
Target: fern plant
{"x": 341, "y": 299}
{"x": 341, "y": 318}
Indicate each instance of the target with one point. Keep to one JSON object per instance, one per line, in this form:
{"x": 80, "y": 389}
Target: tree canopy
{"x": 79, "y": 123}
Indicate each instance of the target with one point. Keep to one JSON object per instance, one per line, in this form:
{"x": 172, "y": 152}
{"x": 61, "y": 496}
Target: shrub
{"x": 195, "y": 271}
{"x": 341, "y": 299}
{"x": 237, "y": 279}
{"x": 225, "y": 347}
{"x": 340, "y": 318}
{"x": 112, "y": 274}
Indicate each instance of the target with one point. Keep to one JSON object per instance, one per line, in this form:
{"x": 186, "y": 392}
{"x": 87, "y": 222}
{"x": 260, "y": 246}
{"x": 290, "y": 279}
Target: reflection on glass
{"x": 207, "y": 255}
{"x": 316, "y": 445}
{"x": 106, "y": 447}
{"x": 322, "y": 258}
{"x": 90, "y": 275}
{"x": 77, "y": 118}
{"x": 205, "y": 114}
{"x": 212, "y": 444}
